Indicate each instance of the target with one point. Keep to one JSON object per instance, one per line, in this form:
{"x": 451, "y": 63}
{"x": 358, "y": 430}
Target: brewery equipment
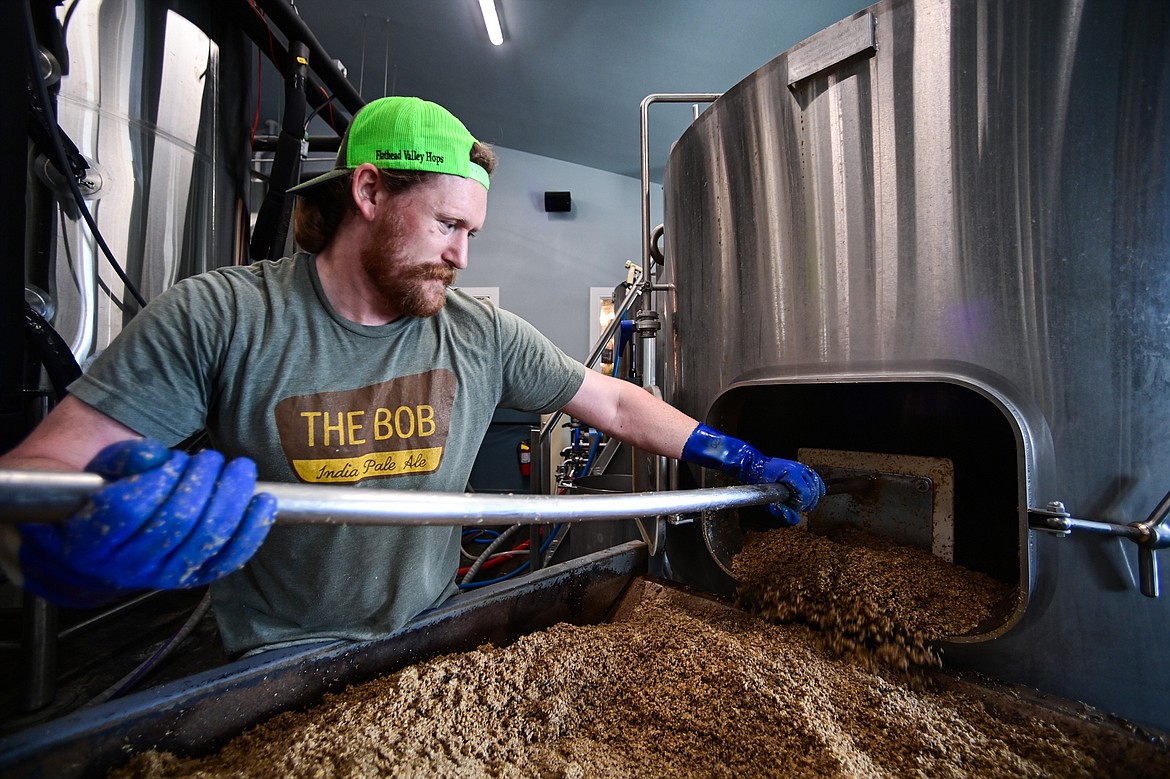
{"x": 937, "y": 230}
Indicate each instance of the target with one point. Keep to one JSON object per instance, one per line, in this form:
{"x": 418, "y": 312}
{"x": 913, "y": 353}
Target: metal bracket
{"x": 1051, "y": 519}
{"x": 1150, "y": 535}
{"x": 647, "y": 323}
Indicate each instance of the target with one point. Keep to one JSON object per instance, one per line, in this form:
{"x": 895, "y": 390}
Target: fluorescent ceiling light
{"x": 491, "y": 20}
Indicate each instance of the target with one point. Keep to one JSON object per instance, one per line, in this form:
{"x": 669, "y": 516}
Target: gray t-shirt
{"x": 258, "y": 356}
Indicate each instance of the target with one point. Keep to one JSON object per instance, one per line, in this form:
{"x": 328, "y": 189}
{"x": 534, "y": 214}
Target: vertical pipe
{"x": 647, "y": 344}
{"x": 38, "y": 654}
{"x": 534, "y": 547}
{"x": 270, "y": 234}
{"x": 540, "y": 460}
{"x": 287, "y": 18}
{"x": 14, "y": 162}
{"x": 39, "y": 617}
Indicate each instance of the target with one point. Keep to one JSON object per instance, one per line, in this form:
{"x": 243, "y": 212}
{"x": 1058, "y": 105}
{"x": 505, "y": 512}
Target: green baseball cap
{"x": 404, "y": 133}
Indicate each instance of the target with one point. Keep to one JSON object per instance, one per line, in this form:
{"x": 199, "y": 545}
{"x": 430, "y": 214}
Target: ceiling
{"x": 569, "y": 79}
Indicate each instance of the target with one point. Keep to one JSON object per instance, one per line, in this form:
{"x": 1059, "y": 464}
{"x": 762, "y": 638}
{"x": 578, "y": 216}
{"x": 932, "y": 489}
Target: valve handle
{"x": 1157, "y": 536}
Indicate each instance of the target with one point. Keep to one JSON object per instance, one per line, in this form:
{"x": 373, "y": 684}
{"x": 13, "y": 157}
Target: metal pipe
{"x": 290, "y": 23}
{"x": 681, "y": 97}
{"x": 1160, "y": 513}
{"x": 106, "y": 614}
{"x": 613, "y": 325}
{"x": 1148, "y": 572}
{"x": 1131, "y": 532}
{"x": 598, "y": 348}
{"x": 47, "y": 496}
{"x": 1150, "y": 535}
{"x": 38, "y": 654}
{"x": 648, "y": 338}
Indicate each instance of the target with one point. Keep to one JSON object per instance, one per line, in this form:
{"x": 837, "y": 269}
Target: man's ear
{"x": 366, "y": 189}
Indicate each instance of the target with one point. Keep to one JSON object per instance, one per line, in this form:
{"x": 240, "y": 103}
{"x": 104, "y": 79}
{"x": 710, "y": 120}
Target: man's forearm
{"x": 67, "y": 439}
{"x": 632, "y": 415}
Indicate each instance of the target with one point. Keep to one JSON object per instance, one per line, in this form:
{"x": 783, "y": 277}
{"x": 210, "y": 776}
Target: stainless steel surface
{"x": 972, "y": 216}
{"x": 831, "y": 46}
{"x": 40, "y": 496}
{"x": 144, "y": 98}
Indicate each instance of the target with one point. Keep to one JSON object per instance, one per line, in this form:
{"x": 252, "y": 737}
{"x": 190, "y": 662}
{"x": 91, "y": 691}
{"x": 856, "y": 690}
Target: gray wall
{"x": 545, "y": 263}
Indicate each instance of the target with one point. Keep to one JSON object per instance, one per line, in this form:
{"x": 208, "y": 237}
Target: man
{"x": 350, "y": 363}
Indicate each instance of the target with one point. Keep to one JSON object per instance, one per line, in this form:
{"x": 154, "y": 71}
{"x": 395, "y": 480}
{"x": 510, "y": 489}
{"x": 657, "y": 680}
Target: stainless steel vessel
{"x": 940, "y": 229}
{"x": 144, "y": 99}
{"x": 133, "y": 100}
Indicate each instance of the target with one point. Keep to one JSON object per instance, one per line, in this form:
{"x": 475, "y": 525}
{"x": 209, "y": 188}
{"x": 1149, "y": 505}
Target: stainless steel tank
{"x": 939, "y": 229}
{"x": 153, "y": 94}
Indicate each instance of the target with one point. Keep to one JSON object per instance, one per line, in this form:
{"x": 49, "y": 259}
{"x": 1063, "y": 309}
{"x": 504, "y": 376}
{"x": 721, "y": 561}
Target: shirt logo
{"x": 393, "y": 428}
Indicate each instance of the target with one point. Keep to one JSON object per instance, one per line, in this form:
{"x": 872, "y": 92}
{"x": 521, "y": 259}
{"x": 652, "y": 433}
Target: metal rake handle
{"x": 48, "y": 496}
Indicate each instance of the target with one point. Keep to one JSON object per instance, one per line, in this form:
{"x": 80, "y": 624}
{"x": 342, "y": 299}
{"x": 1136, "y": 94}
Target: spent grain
{"x": 684, "y": 686}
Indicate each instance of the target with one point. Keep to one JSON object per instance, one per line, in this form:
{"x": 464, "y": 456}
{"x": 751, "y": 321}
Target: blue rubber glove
{"x": 711, "y": 449}
{"x": 168, "y": 520}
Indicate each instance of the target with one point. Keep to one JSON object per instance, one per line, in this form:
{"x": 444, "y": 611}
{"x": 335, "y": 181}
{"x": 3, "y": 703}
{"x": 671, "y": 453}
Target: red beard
{"x": 407, "y": 287}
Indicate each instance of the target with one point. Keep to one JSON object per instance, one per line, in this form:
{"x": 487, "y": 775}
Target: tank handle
{"x": 1150, "y": 535}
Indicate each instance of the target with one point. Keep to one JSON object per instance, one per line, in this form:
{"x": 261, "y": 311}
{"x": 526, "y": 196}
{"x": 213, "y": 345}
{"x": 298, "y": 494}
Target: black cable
{"x": 486, "y": 553}
{"x": 127, "y": 682}
{"x": 69, "y": 17}
{"x": 327, "y": 104}
{"x": 62, "y": 161}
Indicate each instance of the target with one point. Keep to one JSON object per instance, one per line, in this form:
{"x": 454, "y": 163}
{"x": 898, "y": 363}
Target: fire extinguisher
{"x": 524, "y": 452}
